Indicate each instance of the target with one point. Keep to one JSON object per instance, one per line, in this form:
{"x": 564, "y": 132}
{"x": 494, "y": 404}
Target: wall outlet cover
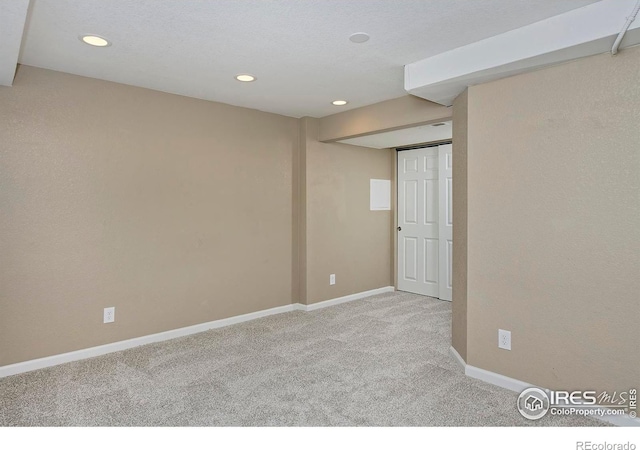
{"x": 504, "y": 339}
{"x": 109, "y": 314}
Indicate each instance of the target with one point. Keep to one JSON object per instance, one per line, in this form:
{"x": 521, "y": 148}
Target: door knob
{"x": 399, "y": 228}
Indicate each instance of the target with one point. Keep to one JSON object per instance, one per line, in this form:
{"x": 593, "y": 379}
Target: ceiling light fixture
{"x": 359, "y": 38}
{"x": 339, "y": 102}
{"x": 94, "y": 40}
{"x": 245, "y": 77}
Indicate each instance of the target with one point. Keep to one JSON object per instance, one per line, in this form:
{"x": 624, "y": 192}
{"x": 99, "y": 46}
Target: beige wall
{"x": 403, "y": 112}
{"x": 459, "y": 301}
{"x": 299, "y": 229}
{"x": 174, "y": 210}
{"x": 554, "y": 224}
{"x": 342, "y": 235}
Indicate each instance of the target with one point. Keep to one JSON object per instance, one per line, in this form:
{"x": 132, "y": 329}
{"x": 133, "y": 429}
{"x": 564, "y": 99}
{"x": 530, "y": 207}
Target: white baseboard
{"x": 346, "y": 298}
{"x": 518, "y": 386}
{"x": 50, "y": 361}
{"x": 91, "y": 352}
{"x": 458, "y": 358}
{"x": 495, "y": 378}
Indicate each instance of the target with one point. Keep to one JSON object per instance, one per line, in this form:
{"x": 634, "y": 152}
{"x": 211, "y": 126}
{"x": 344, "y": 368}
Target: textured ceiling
{"x": 298, "y": 49}
{"x": 12, "y": 17}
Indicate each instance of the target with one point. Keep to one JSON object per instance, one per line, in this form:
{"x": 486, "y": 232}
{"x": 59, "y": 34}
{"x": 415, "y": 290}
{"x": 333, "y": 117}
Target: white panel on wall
{"x": 380, "y": 195}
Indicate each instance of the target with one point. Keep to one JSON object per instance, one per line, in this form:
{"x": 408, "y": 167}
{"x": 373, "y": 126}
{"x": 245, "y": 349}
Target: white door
{"x": 423, "y": 216}
{"x": 445, "y": 223}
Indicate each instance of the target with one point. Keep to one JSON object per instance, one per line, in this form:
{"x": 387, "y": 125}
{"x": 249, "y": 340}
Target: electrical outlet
{"x": 109, "y": 314}
{"x": 332, "y": 279}
{"x": 504, "y": 339}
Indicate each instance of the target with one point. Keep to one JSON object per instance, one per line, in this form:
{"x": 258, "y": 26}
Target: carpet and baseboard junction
{"x": 379, "y": 361}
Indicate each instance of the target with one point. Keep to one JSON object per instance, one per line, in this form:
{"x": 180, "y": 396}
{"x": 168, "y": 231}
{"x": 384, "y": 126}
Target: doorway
{"x": 425, "y": 220}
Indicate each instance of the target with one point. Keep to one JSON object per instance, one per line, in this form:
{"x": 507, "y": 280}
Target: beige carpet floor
{"x": 380, "y": 361}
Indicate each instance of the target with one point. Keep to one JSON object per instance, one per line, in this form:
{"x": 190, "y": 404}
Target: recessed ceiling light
{"x": 245, "y": 77}
{"x": 339, "y": 102}
{"x": 359, "y": 38}
{"x": 94, "y": 40}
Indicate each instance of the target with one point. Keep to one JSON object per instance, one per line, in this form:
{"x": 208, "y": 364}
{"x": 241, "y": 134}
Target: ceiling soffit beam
{"x": 395, "y": 114}
{"x": 13, "y": 15}
{"x": 582, "y": 32}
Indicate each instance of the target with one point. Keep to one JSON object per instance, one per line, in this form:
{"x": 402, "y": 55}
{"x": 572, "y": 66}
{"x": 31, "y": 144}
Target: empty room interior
{"x": 319, "y": 213}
